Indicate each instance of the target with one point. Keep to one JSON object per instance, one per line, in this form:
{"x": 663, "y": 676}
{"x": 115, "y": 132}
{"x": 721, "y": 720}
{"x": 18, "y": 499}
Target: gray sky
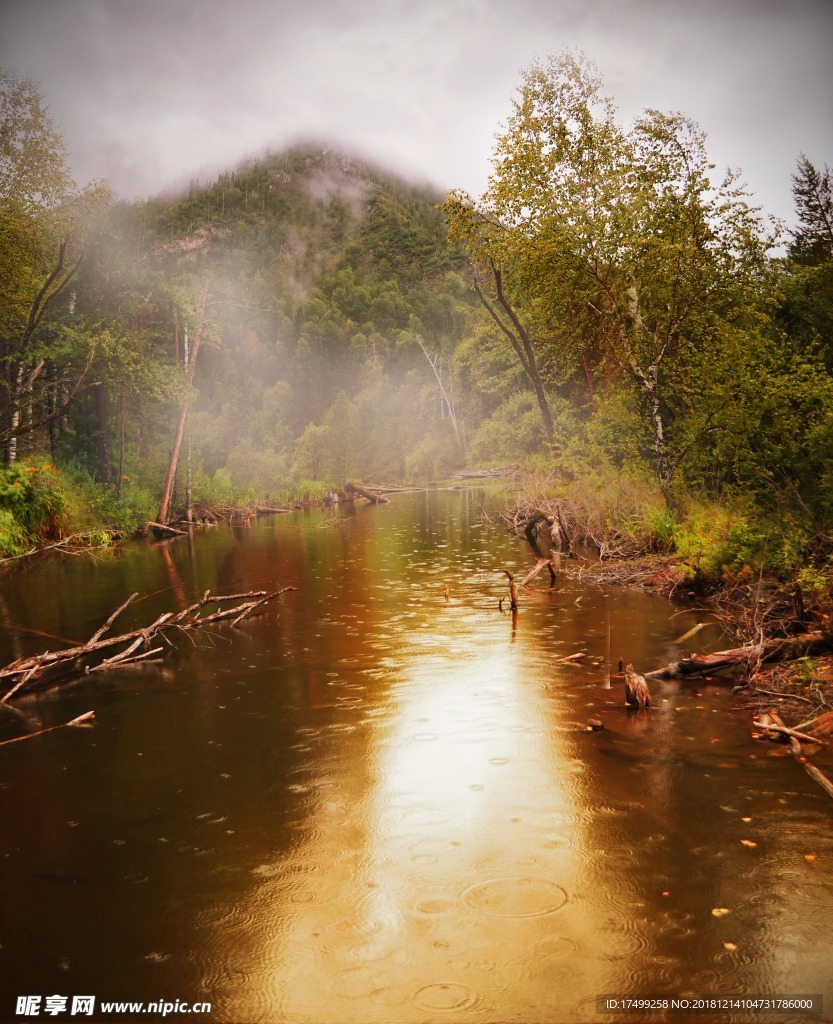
{"x": 150, "y": 93}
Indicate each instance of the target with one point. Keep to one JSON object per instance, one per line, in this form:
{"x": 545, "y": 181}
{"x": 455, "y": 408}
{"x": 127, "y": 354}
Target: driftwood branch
{"x": 540, "y": 565}
{"x": 793, "y": 734}
{"x": 82, "y": 540}
{"x": 99, "y": 633}
{"x": 127, "y": 648}
{"x": 773, "y": 723}
{"x": 819, "y": 777}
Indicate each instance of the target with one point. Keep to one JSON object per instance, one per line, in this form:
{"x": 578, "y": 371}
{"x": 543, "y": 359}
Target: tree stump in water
{"x": 513, "y": 590}
{"x": 637, "y": 694}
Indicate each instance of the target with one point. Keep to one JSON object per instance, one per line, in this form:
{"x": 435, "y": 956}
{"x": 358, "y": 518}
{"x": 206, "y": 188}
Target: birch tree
{"x": 45, "y": 219}
{"x": 611, "y": 243}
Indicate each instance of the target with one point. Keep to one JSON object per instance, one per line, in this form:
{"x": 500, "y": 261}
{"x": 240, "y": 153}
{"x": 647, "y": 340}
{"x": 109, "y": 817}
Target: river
{"x": 378, "y": 803}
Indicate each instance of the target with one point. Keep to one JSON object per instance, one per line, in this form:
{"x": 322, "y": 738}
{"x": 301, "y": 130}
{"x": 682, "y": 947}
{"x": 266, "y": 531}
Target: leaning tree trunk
{"x": 521, "y": 342}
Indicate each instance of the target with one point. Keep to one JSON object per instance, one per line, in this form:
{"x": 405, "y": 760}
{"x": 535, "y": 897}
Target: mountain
{"x": 323, "y": 271}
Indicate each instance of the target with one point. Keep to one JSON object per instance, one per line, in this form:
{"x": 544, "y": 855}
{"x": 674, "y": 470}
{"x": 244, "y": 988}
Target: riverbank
{"x": 706, "y": 555}
{"x": 47, "y": 507}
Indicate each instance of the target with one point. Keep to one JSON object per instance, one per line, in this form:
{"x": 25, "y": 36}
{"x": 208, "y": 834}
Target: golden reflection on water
{"x": 450, "y": 884}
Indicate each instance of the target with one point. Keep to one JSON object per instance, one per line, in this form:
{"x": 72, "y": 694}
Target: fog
{"x": 152, "y": 94}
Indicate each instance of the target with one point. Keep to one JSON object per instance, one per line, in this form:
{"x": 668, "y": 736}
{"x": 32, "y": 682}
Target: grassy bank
{"x": 42, "y": 504}
{"x": 766, "y": 571}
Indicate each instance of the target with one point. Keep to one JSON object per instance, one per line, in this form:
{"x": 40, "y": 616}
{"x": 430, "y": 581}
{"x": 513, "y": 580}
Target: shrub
{"x": 12, "y": 535}
{"x": 430, "y": 459}
{"x": 33, "y": 503}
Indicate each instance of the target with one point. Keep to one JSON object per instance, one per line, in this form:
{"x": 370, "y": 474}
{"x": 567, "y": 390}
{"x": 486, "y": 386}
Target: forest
{"x": 615, "y": 316}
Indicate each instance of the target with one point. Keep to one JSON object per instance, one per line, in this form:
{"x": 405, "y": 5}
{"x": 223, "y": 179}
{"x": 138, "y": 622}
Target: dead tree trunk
{"x": 164, "y": 505}
{"x": 353, "y": 489}
{"x": 448, "y": 400}
{"x": 558, "y": 533}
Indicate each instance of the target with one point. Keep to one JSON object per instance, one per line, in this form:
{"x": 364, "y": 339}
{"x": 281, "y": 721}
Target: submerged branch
{"x": 85, "y": 719}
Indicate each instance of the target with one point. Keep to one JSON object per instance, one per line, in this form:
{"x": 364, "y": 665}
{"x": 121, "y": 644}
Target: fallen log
{"x": 351, "y": 488}
{"x": 484, "y": 474}
{"x": 769, "y": 650}
{"x": 130, "y": 647}
{"x": 165, "y": 529}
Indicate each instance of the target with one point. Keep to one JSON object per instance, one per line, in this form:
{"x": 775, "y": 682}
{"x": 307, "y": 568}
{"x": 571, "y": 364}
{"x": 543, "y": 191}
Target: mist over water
{"x": 375, "y": 804}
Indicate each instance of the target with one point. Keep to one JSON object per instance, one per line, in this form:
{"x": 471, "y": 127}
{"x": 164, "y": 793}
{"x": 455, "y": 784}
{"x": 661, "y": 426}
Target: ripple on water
{"x": 614, "y": 854}
{"x": 287, "y": 868}
{"x": 448, "y": 996}
{"x": 434, "y": 905}
{"x": 428, "y": 816}
{"x": 366, "y": 920}
{"x": 223, "y": 975}
{"x": 355, "y": 982}
{"x": 371, "y": 951}
{"x": 629, "y": 940}
{"x": 553, "y": 947}
{"x": 650, "y": 974}
{"x": 515, "y": 897}
{"x": 214, "y": 916}
{"x": 677, "y": 924}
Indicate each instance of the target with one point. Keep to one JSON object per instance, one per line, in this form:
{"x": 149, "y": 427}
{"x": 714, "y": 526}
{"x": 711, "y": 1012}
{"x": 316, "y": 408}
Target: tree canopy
{"x": 613, "y": 248}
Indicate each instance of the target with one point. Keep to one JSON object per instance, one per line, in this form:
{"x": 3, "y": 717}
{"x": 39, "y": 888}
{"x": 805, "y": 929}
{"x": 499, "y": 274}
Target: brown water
{"x": 375, "y": 805}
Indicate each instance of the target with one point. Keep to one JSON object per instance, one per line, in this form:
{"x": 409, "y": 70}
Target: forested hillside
{"x": 324, "y": 275}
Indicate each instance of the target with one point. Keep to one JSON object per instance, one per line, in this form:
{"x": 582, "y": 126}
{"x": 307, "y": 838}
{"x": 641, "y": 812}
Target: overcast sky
{"x": 150, "y": 93}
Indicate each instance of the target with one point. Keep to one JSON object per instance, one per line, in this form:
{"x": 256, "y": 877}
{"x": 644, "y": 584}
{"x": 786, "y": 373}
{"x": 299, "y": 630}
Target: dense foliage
{"x": 609, "y": 312}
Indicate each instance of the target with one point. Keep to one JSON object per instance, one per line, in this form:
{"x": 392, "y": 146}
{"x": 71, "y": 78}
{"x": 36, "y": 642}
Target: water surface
{"x": 376, "y": 804}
